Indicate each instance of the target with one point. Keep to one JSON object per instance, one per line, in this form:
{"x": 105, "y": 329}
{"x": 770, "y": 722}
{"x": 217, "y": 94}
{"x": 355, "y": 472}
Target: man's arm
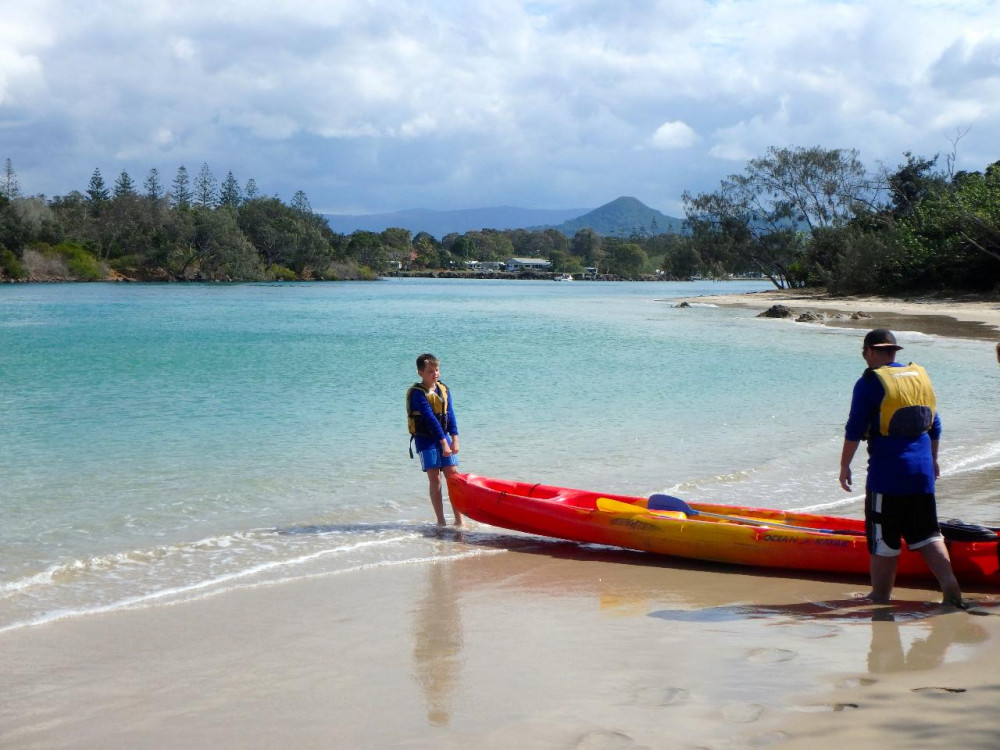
{"x": 846, "y": 456}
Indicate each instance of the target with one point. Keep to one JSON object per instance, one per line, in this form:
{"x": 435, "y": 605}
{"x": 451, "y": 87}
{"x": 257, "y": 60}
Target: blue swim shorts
{"x": 432, "y": 458}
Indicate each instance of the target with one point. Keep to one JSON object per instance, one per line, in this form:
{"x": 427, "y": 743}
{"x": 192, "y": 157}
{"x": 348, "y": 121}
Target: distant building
{"x": 491, "y": 265}
{"x": 528, "y": 264}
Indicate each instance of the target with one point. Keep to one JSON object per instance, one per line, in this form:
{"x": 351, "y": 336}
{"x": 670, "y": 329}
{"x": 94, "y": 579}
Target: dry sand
{"x": 547, "y": 646}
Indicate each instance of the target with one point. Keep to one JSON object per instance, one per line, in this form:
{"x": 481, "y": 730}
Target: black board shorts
{"x": 890, "y": 518}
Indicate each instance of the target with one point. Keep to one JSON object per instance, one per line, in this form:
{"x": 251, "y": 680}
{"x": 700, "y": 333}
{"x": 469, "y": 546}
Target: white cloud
{"x": 674, "y": 134}
{"x": 381, "y": 104}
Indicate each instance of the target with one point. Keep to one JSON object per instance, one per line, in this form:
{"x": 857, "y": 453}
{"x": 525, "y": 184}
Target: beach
{"x": 290, "y": 602}
{"x": 537, "y": 646}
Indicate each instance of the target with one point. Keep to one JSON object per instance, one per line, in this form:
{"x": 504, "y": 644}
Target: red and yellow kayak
{"x": 717, "y": 533}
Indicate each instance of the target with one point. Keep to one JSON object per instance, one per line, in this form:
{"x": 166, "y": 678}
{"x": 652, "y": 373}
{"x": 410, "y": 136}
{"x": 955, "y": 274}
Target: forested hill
{"x": 441, "y": 223}
{"x": 623, "y": 217}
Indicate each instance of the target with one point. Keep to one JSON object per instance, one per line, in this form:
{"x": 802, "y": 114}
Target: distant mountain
{"x": 623, "y": 216}
{"x": 440, "y": 223}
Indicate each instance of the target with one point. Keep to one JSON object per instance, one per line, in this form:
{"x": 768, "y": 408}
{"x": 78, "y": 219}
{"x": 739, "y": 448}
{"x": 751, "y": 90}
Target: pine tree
{"x": 250, "y": 191}
{"x": 205, "y": 187}
{"x": 152, "y": 185}
{"x": 230, "y": 195}
{"x": 97, "y": 191}
{"x": 301, "y": 203}
{"x": 182, "y": 190}
{"x": 124, "y": 186}
{"x": 9, "y": 187}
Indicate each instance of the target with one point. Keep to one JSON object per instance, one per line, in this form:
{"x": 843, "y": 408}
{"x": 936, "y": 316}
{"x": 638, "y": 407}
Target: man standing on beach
{"x": 894, "y": 409}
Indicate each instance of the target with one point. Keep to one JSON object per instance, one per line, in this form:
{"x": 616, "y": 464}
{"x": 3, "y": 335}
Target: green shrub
{"x": 81, "y": 264}
{"x": 10, "y": 266}
{"x": 280, "y": 273}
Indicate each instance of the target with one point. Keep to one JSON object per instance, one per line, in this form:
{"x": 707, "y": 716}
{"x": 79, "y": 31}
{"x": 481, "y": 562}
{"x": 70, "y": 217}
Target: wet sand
{"x": 541, "y": 645}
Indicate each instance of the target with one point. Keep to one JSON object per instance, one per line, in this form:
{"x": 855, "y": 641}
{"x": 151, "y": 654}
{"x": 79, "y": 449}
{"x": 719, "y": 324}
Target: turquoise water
{"x": 162, "y": 442}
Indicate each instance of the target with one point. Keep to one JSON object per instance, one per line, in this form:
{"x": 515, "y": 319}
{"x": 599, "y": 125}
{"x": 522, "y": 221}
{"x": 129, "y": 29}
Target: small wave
{"x": 115, "y": 560}
{"x": 217, "y": 586}
{"x": 10, "y": 588}
{"x": 728, "y": 478}
{"x": 850, "y": 500}
{"x": 984, "y": 457}
{"x": 343, "y": 571}
{"x": 21, "y": 323}
{"x": 95, "y": 583}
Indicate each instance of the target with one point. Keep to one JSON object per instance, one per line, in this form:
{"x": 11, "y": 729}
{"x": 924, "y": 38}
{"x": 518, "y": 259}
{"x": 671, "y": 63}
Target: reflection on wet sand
{"x": 940, "y": 633}
{"x": 438, "y": 643}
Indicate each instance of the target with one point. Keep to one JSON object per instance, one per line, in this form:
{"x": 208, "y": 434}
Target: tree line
{"x": 798, "y": 216}
{"x": 817, "y": 217}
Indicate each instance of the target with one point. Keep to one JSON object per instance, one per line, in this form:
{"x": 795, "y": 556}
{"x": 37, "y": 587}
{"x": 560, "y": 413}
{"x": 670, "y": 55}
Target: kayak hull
{"x": 755, "y": 537}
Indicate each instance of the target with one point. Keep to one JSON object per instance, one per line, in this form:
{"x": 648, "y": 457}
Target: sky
{"x": 380, "y": 105}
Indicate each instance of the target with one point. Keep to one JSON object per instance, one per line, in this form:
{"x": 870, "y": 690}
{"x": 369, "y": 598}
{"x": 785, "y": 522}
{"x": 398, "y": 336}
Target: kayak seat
{"x": 958, "y": 531}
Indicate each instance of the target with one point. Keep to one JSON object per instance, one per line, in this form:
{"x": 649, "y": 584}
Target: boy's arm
{"x": 424, "y": 407}
{"x": 452, "y": 424}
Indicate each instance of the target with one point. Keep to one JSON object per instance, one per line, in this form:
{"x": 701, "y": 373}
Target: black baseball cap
{"x": 881, "y": 338}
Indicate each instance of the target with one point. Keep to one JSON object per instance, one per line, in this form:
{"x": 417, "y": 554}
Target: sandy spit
{"x": 954, "y": 317}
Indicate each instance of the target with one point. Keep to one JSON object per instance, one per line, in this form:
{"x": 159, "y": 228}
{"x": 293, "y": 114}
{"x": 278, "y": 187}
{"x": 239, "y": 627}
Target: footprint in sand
{"x": 768, "y": 739}
{"x": 824, "y": 707}
{"x": 660, "y": 696}
{"x": 742, "y": 713}
{"x": 856, "y": 682}
{"x": 813, "y": 630}
{"x": 607, "y": 739}
{"x": 937, "y": 690}
{"x": 770, "y": 655}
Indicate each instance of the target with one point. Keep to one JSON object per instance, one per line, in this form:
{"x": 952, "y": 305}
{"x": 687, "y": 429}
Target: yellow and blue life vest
{"x": 438, "y": 399}
{"x": 908, "y": 406}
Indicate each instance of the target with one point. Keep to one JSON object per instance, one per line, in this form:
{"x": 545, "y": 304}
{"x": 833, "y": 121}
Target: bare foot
{"x": 955, "y": 600}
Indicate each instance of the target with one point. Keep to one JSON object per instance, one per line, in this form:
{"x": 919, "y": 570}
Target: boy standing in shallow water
{"x": 434, "y": 431}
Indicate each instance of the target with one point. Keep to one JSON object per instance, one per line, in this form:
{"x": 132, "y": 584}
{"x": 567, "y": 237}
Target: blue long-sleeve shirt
{"x": 896, "y": 465}
{"x": 419, "y": 402}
